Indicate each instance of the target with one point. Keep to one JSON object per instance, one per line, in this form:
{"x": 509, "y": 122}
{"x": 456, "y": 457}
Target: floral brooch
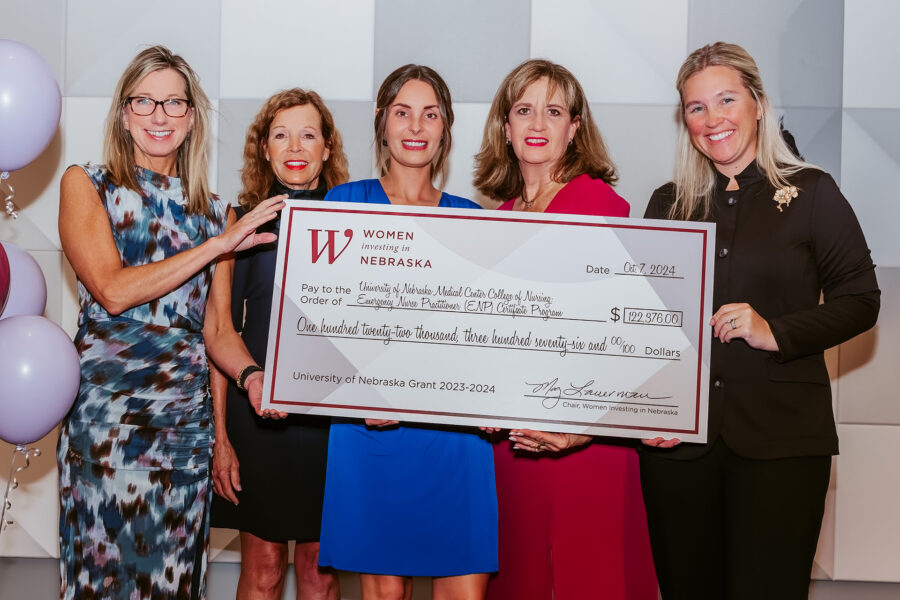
{"x": 784, "y": 196}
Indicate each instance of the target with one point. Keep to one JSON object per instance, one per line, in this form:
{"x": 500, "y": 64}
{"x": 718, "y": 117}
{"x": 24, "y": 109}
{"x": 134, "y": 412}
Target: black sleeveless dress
{"x": 282, "y": 463}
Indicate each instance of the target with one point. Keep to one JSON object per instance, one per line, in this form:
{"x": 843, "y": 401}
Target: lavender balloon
{"x": 27, "y": 288}
{"x": 29, "y": 105}
{"x": 40, "y": 371}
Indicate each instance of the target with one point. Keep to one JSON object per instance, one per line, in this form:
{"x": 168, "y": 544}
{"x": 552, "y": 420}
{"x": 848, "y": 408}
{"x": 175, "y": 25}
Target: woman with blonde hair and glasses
{"x": 269, "y": 475}
{"x": 142, "y": 233}
{"x": 739, "y": 516}
{"x": 572, "y": 524}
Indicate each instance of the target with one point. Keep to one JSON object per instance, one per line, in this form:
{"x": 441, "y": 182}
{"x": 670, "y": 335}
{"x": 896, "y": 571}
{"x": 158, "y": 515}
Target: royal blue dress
{"x": 411, "y": 500}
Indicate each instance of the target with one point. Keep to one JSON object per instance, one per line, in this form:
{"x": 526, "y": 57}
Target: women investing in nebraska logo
{"x": 329, "y": 244}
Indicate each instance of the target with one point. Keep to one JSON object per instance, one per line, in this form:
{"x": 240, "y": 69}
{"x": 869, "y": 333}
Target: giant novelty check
{"x": 492, "y": 318}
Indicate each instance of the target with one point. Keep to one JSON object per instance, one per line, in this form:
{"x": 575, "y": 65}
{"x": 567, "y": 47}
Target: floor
{"x": 38, "y": 578}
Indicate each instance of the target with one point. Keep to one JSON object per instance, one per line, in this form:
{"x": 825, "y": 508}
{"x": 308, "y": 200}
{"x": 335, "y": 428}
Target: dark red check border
{"x": 295, "y": 210}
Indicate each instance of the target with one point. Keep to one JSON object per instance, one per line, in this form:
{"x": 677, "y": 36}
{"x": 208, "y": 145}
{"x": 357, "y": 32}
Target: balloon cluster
{"x": 39, "y": 366}
{"x": 30, "y": 105}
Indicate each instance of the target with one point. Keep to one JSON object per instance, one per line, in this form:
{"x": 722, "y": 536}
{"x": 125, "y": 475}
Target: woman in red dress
{"x": 572, "y": 521}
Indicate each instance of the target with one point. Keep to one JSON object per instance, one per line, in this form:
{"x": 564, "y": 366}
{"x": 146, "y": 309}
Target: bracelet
{"x": 244, "y": 374}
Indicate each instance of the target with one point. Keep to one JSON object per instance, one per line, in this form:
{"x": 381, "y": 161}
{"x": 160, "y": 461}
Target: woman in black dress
{"x": 269, "y": 475}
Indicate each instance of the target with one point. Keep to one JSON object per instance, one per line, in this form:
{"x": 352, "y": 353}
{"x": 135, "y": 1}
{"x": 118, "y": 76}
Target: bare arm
{"x": 223, "y": 344}
{"x": 88, "y": 243}
{"x": 226, "y": 473}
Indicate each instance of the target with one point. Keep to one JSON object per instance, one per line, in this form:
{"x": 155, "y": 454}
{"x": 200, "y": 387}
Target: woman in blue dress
{"x": 411, "y": 500}
{"x": 141, "y": 233}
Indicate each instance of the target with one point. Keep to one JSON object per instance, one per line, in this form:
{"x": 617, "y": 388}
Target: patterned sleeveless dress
{"x": 134, "y": 451}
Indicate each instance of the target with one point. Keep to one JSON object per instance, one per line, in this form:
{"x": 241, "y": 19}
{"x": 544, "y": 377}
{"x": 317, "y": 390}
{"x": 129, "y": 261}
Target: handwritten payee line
{"x": 553, "y": 350}
{"x": 474, "y": 312}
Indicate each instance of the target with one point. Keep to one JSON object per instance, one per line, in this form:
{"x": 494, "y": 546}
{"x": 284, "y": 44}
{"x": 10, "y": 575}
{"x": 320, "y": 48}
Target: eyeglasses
{"x": 143, "y": 106}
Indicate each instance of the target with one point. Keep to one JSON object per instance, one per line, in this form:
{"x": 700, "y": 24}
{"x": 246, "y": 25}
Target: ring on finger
{"x": 731, "y": 322}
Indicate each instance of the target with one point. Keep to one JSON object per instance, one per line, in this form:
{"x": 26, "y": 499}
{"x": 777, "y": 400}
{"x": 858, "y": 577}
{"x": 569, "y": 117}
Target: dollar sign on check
{"x": 615, "y": 314}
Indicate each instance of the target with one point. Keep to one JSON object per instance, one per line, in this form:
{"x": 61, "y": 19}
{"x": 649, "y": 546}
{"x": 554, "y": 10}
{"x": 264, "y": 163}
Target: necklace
{"x": 525, "y": 201}
{"x": 529, "y": 204}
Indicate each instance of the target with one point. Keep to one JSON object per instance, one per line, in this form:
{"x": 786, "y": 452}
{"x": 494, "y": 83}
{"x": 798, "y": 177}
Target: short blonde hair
{"x": 257, "y": 175}
{"x": 192, "y": 161}
{"x": 695, "y": 174}
{"x": 497, "y": 171}
{"x": 387, "y": 93}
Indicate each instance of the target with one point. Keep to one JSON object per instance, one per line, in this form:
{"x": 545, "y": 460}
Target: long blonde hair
{"x": 257, "y": 175}
{"x": 192, "y": 161}
{"x": 695, "y": 174}
{"x": 497, "y": 173}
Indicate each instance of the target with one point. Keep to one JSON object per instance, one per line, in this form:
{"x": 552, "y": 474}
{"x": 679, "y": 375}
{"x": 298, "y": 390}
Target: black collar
{"x": 314, "y": 194}
{"x": 751, "y": 174}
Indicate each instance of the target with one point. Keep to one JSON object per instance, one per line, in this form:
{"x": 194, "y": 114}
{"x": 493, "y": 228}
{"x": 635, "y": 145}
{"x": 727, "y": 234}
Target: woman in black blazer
{"x": 739, "y": 517}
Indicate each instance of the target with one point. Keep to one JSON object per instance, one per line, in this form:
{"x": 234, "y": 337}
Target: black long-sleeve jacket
{"x": 778, "y": 404}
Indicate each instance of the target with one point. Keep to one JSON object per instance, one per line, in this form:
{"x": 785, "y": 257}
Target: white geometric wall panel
{"x": 867, "y": 531}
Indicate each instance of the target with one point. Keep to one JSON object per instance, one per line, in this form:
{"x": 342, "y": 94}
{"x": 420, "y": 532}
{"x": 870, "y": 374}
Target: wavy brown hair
{"x": 192, "y": 161}
{"x": 497, "y": 173}
{"x": 257, "y": 175}
{"x": 386, "y": 95}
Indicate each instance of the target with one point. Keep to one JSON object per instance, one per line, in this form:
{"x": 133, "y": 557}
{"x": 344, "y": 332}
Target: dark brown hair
{"x": 386, "y": 95}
